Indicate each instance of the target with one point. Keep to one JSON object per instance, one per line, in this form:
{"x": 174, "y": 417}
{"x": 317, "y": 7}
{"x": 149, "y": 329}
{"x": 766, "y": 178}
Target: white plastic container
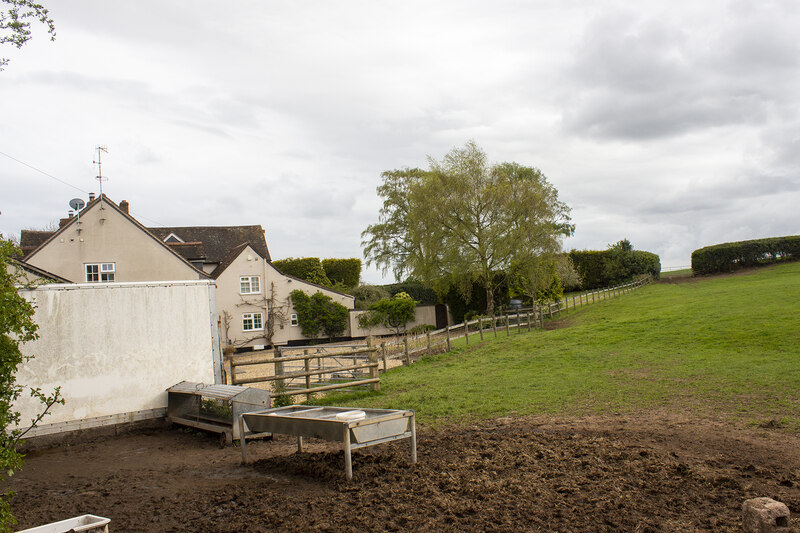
{"x": 87, "y": 522}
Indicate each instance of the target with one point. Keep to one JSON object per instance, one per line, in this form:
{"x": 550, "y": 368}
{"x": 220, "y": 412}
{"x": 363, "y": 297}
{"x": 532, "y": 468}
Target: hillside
{"x": 722, "y": 346}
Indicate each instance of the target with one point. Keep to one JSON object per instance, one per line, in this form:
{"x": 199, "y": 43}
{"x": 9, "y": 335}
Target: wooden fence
{"x": 303, "y": 370}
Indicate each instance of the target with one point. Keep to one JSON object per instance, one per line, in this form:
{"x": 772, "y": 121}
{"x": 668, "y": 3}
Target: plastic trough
{"x": 87, "y": 522}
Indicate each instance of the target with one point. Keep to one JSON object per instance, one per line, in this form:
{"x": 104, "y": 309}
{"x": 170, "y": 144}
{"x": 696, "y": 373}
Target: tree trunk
{"x": 489, "y": 298}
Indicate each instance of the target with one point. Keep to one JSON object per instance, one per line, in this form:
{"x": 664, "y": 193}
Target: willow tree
{"x": 465, "y": 221}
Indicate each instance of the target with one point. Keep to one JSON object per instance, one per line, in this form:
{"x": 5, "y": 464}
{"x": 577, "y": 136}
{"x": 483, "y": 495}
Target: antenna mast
{"x": 99, "y": 164}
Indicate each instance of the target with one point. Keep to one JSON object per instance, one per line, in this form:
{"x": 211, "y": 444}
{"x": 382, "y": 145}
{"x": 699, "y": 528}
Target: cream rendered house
{"x": 105, "y": 244}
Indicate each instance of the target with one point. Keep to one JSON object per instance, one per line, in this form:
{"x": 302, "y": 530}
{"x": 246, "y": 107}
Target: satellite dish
{"x": 77, "y": 204}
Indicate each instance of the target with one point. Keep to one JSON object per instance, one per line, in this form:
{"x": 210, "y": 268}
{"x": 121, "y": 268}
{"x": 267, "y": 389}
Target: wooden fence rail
{"x": 406, "y": 348}
{"x": 281, "y": 376}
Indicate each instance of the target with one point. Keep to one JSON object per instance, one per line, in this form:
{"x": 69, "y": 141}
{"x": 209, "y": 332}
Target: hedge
{"x": 307, "y": 268}
{"x": 422, "y": 294}
{"x": 613, "y": 266}
{"x": 345, "y": 271}
{"x": 730, "y": 256}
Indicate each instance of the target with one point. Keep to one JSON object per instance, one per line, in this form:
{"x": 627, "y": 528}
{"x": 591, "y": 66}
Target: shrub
{"x": 319, "y": 312}
{"x": 618, "y": 264}
{"x": 421, "y": 328}
{"x": 369, "y": 294}
{"x": 306, "y": 268}
{"x": 731, "y": 256}
{"x": 393, "y": 313}
{"x": 344, "y": 271}
{"x": 422, "y": 294}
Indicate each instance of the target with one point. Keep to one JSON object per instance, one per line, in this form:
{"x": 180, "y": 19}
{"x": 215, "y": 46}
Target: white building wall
{"x": 426, "y": 314}
{"x": 114, "y": 348}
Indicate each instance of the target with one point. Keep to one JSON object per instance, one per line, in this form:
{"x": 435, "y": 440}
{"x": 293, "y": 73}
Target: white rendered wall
{"x": 114, "y": 348}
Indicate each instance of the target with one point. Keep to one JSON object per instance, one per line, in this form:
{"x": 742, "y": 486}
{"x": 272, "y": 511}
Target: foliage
{"x": 344, "y": 271}
{"x": 305, "y": 268}
{"x": 279, "y": 396}
{"x": 422, "y": 294}
{"x": 16, "y": 327}
{"x": 618, "y": 264}
{"x": 464, "y": 221}
{"x": 366, "y": 295}
{"x": 542, "y": 278}
{"x": 15, "y": 23}
{"x": 421, "y": 328}
{"x": 319, "y": 312}
{"x": 730, "y": 256}
{"x": 691, "y": 355}
{"x": 553, "y": 292}
{"x": 392, "y": 313}
{"x": 476, "y": 304}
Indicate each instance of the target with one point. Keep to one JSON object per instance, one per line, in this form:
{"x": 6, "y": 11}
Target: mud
{"x": 646, "y": 474}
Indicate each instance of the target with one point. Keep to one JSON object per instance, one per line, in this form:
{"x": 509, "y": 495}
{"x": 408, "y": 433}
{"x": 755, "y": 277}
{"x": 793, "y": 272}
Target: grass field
{"x": 723, "y": 346}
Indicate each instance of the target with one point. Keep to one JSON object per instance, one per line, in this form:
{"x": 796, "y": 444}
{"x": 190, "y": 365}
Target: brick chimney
{"x": 124, "y": 205}
{"x": 91, "y": 196}
{"x": 64, "y": 221}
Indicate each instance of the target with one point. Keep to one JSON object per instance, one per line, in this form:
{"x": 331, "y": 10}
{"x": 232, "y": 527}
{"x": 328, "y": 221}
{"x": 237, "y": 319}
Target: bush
{"x": 422, "y": 328}
{"x": 392, "y": 313}
{"x": 616, "y": 265}
{"x": 306, "y": 268}
{"x": 367, "y": 295}
{"x": 422, "y": 294}
{"x": 319, "y": 312}
{"x": 344, "y": 271}
{"x": 731, "y": 256}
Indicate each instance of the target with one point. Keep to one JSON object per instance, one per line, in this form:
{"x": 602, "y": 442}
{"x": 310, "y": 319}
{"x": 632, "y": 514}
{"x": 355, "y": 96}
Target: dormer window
{"x": 100, "y": 272}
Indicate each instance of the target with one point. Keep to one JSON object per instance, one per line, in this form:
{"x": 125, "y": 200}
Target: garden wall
{"x": 114, "y": 348}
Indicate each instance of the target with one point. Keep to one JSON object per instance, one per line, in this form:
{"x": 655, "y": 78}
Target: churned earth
{"x": 649, "y": 472}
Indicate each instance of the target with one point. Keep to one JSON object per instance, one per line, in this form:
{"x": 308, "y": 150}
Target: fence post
{"x": 307, "y": 364}
{"x": 373, "y": 370}
{"x": 480, "y": 326}
{"x": 529, "y": 320}
{"x": 541, "y": 317}
{"x": 494, "y": 325}
{"x": 408, "y": 356}
{"x": 448, "y": 337}
{"x": 519, "y": 323}
{"x": 383, "y": 352}
{"x": 508, "y": 328}
{"x": 466, "y": 330}
{"x": 279, "y": 368}
{"x": 428, "y": 335}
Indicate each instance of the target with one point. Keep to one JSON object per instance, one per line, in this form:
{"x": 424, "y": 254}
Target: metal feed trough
{"x": 213, "y": 407}
{"x": 355, "y": 428}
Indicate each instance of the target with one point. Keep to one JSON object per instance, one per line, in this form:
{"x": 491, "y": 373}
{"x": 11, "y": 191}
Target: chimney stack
{"x": 124, "y": 205}
{"x": 91, "y": 196}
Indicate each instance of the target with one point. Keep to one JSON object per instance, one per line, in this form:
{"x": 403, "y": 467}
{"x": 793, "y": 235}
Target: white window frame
{"x": 249, "y": 281}
{"x": 251, "y": 320}
{"x": 103, "y": 272}
{"x": 293, "y": 321}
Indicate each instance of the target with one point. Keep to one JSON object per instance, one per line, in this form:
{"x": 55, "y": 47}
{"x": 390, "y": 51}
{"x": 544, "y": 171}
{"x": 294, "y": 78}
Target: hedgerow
{"x": 730, "y": 256}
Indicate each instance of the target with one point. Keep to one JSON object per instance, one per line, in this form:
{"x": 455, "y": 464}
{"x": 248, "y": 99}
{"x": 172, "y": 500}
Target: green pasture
{"x": 721, "y": 346}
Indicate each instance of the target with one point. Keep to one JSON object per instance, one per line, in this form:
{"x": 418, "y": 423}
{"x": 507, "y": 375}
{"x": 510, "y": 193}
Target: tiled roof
{"x": 31, "y": 239}
{"x": 39, "y": 272}
{"x": 191, "y": 251}
{"x": 218, "y": 241}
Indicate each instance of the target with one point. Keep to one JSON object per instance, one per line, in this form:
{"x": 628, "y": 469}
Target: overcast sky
{"x": 674, "y": 124}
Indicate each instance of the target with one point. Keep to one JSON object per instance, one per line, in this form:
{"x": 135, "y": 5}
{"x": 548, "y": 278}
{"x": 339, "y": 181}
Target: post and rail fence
{"x": 303, "y": 370}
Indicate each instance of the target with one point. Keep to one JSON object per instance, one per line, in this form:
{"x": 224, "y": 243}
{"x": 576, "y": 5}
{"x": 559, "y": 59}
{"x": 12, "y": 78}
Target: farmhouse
{"x": 103, "y": 243}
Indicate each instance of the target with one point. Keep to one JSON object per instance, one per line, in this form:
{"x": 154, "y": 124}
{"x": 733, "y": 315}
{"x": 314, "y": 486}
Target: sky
{"x": 674, "y": 124}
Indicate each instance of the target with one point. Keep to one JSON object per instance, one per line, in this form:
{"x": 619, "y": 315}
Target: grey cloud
{"x": 647, "y": 79}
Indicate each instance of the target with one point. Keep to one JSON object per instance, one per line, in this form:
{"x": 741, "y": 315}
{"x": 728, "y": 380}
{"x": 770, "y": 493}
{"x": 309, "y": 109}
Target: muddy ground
{"x": 654, "y": 473}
